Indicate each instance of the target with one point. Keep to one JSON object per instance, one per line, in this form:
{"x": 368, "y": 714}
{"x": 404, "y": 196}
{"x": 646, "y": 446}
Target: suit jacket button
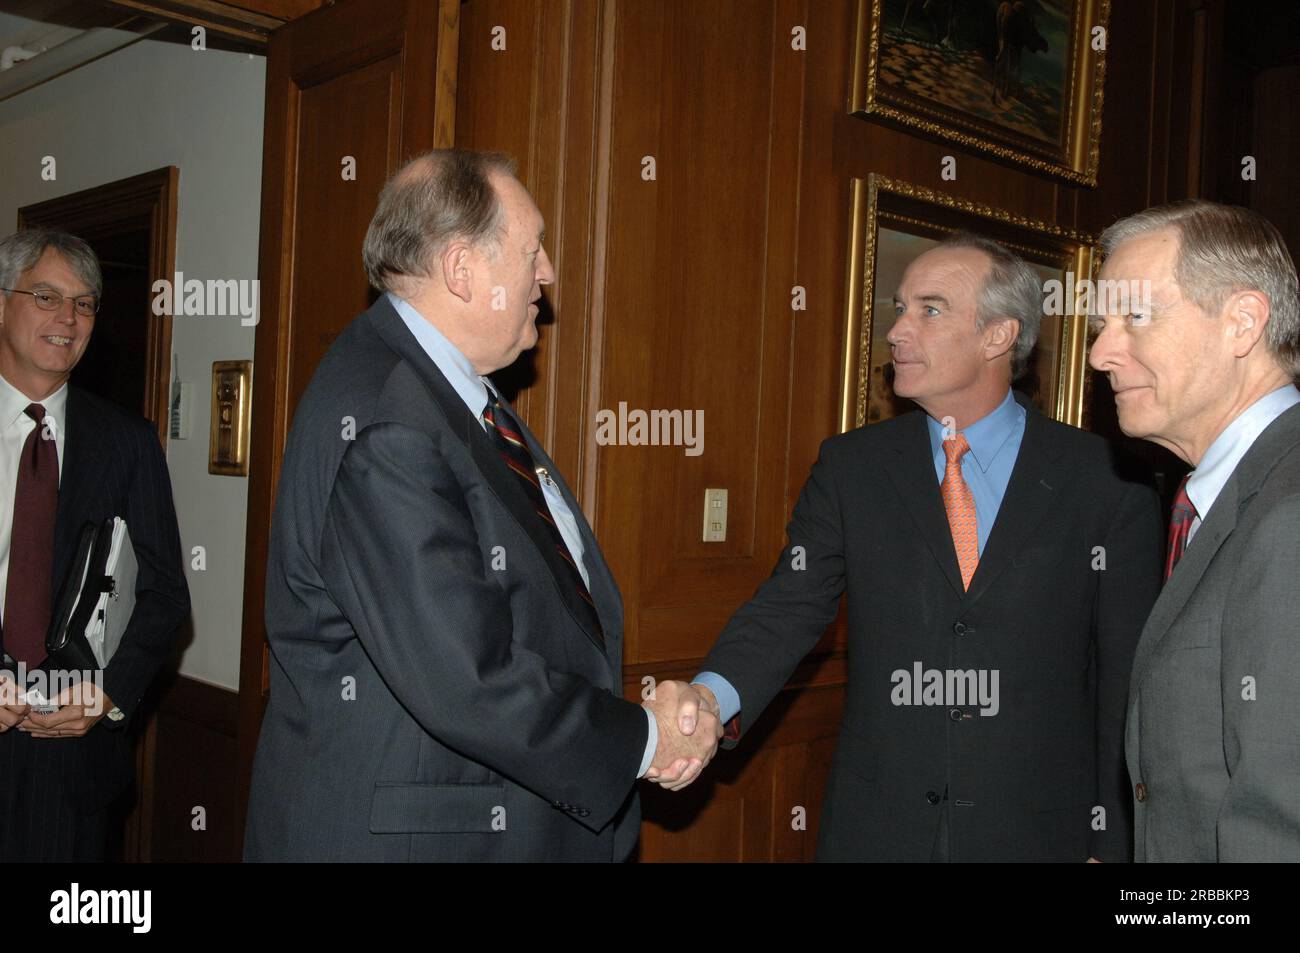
{"x": 1140, "y": 792}
{"x": 959, "y": 628}
{"x": 955, "y": 714}
{"x": 932, "y": 797}
{"x": 584, "y": 813}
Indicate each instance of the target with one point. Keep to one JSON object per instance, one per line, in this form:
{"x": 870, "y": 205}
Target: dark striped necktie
{"x": 1180, "y": 526}
{"x": 506, "y": 433}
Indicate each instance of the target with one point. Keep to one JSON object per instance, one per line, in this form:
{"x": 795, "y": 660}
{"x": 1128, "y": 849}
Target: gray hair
{"x": 1010, "y": 290}
{"x": 21, "y": 251}
{"x": 435, "y": 198}
{"x": 1223, "y": 249}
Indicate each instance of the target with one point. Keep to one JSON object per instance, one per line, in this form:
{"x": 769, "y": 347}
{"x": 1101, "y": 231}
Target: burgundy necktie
{"x": 1180, "y": 525}
{"x": 31, "y": 545}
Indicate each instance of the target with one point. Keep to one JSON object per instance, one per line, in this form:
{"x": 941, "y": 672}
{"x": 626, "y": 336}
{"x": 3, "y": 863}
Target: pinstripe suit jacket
{"x": 112, "y": 466}
{"x": 437, "y": 693}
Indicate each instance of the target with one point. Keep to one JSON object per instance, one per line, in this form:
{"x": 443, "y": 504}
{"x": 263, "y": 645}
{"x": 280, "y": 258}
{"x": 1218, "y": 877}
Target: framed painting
{"x": 1018, "y": 79}
{"x": 892, "y": 222}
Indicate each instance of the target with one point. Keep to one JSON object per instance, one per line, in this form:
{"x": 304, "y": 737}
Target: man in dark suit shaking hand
{"x": 446, "y": 639}
{"x": 998, "y": 571}
{"x": 68, "y": 458}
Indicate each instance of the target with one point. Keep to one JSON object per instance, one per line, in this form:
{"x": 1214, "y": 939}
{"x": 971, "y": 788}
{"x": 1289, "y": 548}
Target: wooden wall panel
{"x": 196, "y": 762}
{"x": 1276, "y": 144}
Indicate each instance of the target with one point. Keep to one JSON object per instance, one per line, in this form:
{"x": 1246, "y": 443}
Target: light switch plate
{"x": 715, "y": 515}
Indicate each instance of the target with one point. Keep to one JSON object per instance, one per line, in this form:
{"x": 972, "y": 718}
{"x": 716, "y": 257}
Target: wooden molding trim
{"x": 251, "y": 21}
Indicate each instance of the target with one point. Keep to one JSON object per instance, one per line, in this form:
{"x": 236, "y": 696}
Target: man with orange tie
{"x": 1209, "y": 372}
{"x": 998, "y": 567}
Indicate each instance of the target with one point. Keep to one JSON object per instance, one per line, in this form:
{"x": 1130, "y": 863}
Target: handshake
{"x": 690, "y": 727}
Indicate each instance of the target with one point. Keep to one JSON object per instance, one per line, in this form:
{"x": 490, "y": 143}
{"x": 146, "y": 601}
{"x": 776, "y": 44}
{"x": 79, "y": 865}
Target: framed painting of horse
{"x": 1018, "y": 79}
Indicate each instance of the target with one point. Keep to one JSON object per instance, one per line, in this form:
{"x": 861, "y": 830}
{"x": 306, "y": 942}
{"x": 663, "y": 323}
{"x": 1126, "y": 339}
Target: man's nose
{"x": 899, "y": 329}
{"x": 545, "y": 271}
{"x": 1104, "y": 354}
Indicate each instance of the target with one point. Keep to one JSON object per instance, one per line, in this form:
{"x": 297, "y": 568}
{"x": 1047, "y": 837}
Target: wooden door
{"x": 352, "y": 91}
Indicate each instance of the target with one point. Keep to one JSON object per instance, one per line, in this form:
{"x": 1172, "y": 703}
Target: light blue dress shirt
{"x": 1211, "y": 476}
{"x": 473, "y": 390}
{"x": 994, "y": 442}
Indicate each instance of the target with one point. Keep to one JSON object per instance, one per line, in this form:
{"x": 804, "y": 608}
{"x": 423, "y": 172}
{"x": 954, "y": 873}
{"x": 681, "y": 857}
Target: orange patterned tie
{"x": 960, "y": 504}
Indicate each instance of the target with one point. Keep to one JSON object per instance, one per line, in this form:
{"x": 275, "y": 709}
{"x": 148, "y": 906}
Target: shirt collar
{"x": 454, "y": 365}
{"x": 986, "y": 436}
{"x": 13, "y": 404}
{"x": 1208, "y": 480}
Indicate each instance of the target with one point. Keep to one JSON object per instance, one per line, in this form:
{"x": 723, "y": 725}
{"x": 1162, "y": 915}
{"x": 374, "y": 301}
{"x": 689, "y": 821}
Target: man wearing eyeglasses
{"x": 68, "y": 458}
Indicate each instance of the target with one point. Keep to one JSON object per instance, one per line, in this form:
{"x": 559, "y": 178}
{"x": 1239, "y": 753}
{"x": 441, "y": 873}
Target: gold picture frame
{"x": 1034, "y": 102}
{"x": 892, "y": 221}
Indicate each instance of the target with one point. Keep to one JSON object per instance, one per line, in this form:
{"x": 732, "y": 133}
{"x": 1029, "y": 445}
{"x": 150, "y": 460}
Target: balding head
{"x": 435, "y": 198}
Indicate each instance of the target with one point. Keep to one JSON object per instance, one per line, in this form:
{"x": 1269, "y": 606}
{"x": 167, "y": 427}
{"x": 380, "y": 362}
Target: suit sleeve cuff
{"x": 727, "y": 696}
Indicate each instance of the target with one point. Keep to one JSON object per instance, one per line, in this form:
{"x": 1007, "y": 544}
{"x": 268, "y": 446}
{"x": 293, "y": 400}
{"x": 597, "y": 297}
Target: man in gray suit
{"x": 446, "y": 640}
{"x": 1205, "y": 365}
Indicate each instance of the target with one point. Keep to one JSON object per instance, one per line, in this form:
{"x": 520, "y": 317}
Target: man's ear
{"x": 1000, "y": 337}
{"x": 1247, "y": 313}
{"x": 456, "y": 272}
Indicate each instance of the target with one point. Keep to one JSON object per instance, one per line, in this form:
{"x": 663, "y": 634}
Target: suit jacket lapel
{"x": 914, "y": 480}
{"x": 1027, "y": 499}
{"x": 1209, "y": 538}
{"x": 1025, "y": 503}
{"x": 499, "y": 478}
{"x": 1279, "y": 438}
{"x": 603, "y": 588}
{"x": 84, "y": 451}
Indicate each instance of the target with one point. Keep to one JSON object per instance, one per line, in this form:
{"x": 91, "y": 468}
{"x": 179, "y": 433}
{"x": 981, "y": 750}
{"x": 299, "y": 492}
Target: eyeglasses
{"x": 86, "y": 305}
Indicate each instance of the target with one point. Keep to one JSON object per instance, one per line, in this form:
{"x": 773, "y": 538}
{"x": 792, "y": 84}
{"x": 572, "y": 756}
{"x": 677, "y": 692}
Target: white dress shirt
{"x": 15, "y": 425}
{"x": 1209, "y": 478}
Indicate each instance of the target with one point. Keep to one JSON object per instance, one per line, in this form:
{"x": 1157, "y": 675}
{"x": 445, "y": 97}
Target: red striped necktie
{"x": 506, "y": 433}
{"x": 1180, "y": 526}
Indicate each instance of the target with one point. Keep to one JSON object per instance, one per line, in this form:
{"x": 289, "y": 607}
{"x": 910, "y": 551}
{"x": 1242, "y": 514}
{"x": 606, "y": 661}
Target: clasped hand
{"x": 78, "y": 708}
{"x": 690, "y": 728}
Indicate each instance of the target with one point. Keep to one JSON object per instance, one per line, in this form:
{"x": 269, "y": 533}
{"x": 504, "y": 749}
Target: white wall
{"x": 151, "y": 105}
